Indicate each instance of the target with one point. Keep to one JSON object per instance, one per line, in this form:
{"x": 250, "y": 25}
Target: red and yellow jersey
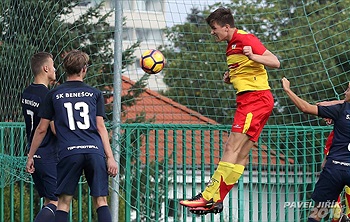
{"x": 246, "y": 74}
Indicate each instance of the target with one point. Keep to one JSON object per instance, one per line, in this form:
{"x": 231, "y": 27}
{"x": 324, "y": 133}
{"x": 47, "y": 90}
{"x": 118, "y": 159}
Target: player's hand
{"x": 226, "y": 77}
{"x": 328, "y": 121}
{"x": 30, "y": 165}
{"x": 112, "y": 167}
{"x": 285, "y": 84}
{"x": 247, "y": 50}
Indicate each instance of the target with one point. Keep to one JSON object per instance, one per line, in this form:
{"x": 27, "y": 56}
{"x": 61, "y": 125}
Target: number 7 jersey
{"x": 74, "y": 107}
{"x": 31, "y": 101}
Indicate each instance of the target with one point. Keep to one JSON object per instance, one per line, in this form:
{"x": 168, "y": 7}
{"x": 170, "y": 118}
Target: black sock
{"x": 47, "y": 213}
{"x": 61, "y": 216}
{"x": 103, "y": 214}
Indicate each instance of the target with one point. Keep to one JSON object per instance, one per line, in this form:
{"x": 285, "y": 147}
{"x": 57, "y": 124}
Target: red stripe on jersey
{"x": 328, "y": 143}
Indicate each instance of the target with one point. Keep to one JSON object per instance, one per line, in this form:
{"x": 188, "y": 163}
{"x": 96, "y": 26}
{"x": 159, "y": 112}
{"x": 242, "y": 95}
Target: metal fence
{"x": 162, "y": 164}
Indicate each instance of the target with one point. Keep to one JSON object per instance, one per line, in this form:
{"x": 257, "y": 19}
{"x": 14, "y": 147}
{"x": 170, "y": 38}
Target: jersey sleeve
{"x": 255, "y": 43}
{"x": 329, "y": 111}
{"x": 100, "y": 106}
{"x": 46, "y": 110}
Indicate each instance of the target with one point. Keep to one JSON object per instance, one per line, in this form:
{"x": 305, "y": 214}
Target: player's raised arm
{"x": 330, "y": 103}
{"x": 302, "y": 105}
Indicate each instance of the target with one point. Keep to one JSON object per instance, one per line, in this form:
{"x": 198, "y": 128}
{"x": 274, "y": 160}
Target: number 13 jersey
{"x": 74, "y": 107}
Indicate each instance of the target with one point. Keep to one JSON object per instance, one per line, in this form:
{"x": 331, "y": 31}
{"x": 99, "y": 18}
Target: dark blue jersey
{"x": 32, "y": 99}
{"x": 74, "y": 105}
{"x": 340, "y": 114}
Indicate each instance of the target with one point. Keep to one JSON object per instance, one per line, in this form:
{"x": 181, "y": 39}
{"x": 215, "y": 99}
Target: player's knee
{"x": 100, "y": 201}
{"x": 232, "y": 147}
{"x": 49, "y": 201}
{"x": 54, "y": 202}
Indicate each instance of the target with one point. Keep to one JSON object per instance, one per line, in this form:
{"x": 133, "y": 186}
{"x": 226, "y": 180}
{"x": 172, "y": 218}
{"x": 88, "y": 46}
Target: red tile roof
{"x": 163, "y": 109}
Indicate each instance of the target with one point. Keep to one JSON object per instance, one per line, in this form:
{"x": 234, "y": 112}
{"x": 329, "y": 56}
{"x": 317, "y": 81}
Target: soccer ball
{"x": 152, "y": 61}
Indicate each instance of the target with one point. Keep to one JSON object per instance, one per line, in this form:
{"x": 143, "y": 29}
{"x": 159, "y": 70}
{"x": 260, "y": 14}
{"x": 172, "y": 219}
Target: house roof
{"x": 163, "y": 109}
{"x": 188, "y": 146}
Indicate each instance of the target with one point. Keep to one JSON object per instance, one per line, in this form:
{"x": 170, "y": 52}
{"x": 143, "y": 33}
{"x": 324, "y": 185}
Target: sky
{"x": 177, "y": 10}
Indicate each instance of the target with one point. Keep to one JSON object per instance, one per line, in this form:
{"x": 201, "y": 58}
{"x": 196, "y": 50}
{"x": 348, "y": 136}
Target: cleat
{"x": 197, "y": 201}
{"x": 215, "y": 209}
{"x": 344, "y": 218}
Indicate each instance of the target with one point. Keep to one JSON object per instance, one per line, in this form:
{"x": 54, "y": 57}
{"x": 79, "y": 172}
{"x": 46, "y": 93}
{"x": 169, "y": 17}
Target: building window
{"x": 149, "y": 34}
{"x": 127, "y": 5}
{"x": 149, "y": 5}
{"x": 84, "y": 3}
{"x": 141, "y": 5}
{"x": 127, "y": 34}
{"x": 141, "y": 34}
{"x": 89, "y": 2}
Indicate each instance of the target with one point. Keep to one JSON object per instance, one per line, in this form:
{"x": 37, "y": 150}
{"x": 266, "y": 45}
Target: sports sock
{"x": 221, "y": 197}
{"x": 337, "y": 211}
{"x": 47, "y": 213}
{"x": 223, "y": 179}
{"x": 61, "y": 216}
{"x": 347, "y": 200}
{"x": 224, "y": 187}
{"x": 103, "y": 214}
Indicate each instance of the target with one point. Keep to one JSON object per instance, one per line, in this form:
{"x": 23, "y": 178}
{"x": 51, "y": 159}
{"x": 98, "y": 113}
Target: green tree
{"x": 312, "y": 44}
{"x": 34, "y": 25}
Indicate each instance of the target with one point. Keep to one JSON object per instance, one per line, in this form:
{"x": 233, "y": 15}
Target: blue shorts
{"x": 331, "y": 183}
{"x": 70, "y": 169}
{"x": 44, "y": 177}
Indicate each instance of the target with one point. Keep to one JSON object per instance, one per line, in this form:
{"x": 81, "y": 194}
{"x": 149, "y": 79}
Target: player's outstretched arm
{"x": 38, "y": 137}
{"x": 302, "y": 105}
{"x": 112, "y": 167}
{"x": 330, "y": 103}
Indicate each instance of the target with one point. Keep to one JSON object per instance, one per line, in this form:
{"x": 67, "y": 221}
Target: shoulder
{"x": 336, "y": 107}
{"x": 55, "y": 89}
{"x": 247, "y": 38}
{"x": 241, "y": 32}
{"x": 240, "y": 35}
{"x": 26, "y": 90}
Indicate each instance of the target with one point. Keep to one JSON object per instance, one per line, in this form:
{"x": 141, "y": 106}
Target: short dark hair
{"x": 74, "y": 61}
{"x": 221, "y": 16}
{"x": 38, "y": 60}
